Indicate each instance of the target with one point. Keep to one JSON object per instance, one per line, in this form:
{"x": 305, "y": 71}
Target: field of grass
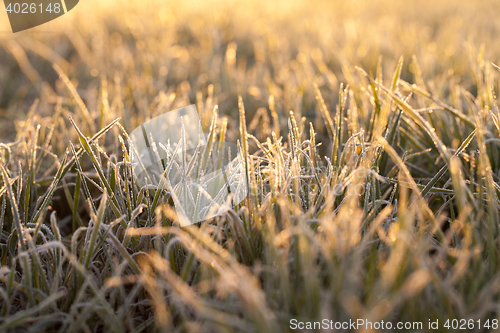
{"x": 370, "y": 135}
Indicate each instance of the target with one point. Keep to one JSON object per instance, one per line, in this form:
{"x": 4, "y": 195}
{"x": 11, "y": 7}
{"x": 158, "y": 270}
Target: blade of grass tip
{"x": 50, "y": 192}
{"x": 343, "y": 95}
{"x": 418, "y": 72}
{"x": 292, "y": 138}
{"x": 496, "y": 66}
{"x": 20, "y": 185}
{"x": 296, "y": 130}
{"x": 31, "y": 173}
{"x": 81, "y": 150}
{"x": 392, "y": 128}
{"x": 397, "y": 74}
{"x": 45, "y": 149}
{"x": 223, "y": 131}
{"x": 443, "y": 170}
{"x": 295, "y": 162}
{"x": 72, "y": 90}
{"x": 244, "y": 141}
{"x": 496, "y": 120}
{"x": 312, "y": 151}
{"x": 111, "y": 173}
{"x": 459, "y": 185}
{"x": 164, "y": 181}
{"x": 377, "y": 106}
{"x": 133, "y": 158}
{"x": 95, "y": 231}
{"x": 208, "y": 146}
{"x": 129, "y": 191}
{"x": 125, "y": 177}
{"x": 84, "y": 183}
{"x": 3, "y": 190}
{"x": 114, "y": 202}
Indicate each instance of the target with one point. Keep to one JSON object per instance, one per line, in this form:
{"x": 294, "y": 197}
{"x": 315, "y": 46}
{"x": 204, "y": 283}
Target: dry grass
{"x": 370, "y": 132}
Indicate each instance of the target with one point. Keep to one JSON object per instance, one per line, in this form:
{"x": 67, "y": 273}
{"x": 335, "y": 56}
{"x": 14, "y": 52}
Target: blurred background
{"x": 158, "y": 55}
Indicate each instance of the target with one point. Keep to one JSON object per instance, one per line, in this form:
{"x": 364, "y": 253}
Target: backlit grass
{"x": 370, "y": 136}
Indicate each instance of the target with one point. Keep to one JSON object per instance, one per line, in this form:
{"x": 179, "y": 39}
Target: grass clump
{"x": 371, "y": 196}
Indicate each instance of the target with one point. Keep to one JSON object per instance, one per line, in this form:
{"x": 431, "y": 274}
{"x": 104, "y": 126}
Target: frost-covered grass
{"x": 370, "y": 136}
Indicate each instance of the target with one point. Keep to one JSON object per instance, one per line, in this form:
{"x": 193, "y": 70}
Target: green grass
{"x": 370, "y": 139}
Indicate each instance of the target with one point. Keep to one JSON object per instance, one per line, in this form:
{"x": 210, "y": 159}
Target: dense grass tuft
{"x": 370, "y": 139}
